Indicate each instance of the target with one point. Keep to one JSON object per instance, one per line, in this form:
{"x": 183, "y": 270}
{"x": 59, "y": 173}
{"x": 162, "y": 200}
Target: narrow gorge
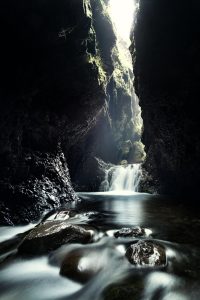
{"x": 99, "y": 150}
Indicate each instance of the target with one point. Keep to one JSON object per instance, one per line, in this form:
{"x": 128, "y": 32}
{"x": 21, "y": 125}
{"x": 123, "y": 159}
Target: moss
{"x": 139, "y": 153}
{"x": 87, "y": 8}
{"x": 121, "y": 73}
{"x": 94, "y": 56}
{"x": 96, "y": 61}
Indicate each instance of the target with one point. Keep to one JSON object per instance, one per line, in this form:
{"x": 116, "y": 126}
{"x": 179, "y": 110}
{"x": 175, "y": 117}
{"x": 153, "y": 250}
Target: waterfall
{"x": 122, "y": 178}
{"x": 125, "y": 178}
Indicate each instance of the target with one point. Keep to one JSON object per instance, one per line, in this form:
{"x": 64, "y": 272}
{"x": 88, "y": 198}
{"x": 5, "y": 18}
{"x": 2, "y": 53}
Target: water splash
{"x": 122, "y": 178}
{"x": 126, "y": 178}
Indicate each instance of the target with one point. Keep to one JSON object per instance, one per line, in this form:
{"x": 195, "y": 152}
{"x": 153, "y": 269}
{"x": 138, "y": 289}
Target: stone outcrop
{"x": 167, "y": 65}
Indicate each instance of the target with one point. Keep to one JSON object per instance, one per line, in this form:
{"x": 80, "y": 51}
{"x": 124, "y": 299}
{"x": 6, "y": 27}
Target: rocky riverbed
{"x": 107, "y": 247}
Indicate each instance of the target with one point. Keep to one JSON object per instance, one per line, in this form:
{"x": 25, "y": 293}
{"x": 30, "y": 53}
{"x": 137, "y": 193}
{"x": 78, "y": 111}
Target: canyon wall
{"x": 52, "y": 89}
{"x": 115, "y": 136}
{"x": 166, "y": 56}
{"x": 60, "y": 105}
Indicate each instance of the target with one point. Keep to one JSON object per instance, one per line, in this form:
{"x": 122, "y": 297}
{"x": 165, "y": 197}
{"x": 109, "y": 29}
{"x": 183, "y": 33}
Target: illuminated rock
{"x": 53, "y": 234}
{"x": 146, "y": 253}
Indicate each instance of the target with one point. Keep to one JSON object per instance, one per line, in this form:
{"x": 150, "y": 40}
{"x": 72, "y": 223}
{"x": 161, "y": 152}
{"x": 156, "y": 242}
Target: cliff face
{"x": 115, "y": 136}
{"x": 52, "y": 91}
{"x": 167, "y": 71}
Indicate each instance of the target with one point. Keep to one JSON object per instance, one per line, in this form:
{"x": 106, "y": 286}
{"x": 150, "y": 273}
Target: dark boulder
{"x": 125, "y": 290}
{"x": 146, "y": 253}
{"x": 82, "y": 264}
{"x": 53, "y": 234}
{"x": 136, "y": 231}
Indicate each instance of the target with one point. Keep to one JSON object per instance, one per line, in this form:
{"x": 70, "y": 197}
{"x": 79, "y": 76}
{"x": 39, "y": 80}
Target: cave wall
{"x": 52, "y": 90}
{"x": 166, "y": 52}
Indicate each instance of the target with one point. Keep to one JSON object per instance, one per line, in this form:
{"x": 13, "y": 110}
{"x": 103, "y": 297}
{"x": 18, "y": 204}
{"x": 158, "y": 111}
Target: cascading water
{"x": 125, "y": 178}
{"x": 121, "y": 178}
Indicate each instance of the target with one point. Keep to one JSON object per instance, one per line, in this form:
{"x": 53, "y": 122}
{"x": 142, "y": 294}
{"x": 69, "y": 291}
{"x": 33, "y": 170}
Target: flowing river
{"x": 107, "y": 273}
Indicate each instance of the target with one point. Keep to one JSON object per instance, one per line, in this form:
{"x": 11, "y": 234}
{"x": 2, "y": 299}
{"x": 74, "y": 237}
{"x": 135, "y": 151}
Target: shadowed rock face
{"x": 52, "y": 90}
{"x": 42, "y": 182}
{"x": 167, "y": 70}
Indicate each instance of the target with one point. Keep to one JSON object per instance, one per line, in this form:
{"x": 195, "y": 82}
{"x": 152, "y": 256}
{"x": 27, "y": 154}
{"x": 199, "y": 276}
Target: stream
{"x": 173, "y": 225}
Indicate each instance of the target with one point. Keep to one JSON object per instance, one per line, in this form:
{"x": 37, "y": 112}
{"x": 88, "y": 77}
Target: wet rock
{"x": 48, "y": 188}
{"x": 6, "y": 247}
{"x": 82, "y": 264}
{"x": 137, "y": 153}
{"x": 52, "y": 234}
{"x": 124, "y": 291}
{"x": 146, "y": 253}
{"x": 135, "y": 231}
{"x": 63, "y": 215}
{"x": 124, "y": 163}
{"x": 125, "y": 149}
{"x": 94, "y": 215}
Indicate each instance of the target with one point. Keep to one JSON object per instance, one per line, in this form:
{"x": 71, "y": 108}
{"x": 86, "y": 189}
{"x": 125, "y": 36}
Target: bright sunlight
{"x": 122, "y": 15}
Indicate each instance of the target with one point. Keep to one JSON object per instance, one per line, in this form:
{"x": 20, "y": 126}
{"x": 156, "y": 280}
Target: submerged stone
{"x": 82, "y": 264}
{"x": 146, "y": 253}
{"x": 53, "y": 234}
{"x": 135, "y": 231}
{"x": 124, "y": 291}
